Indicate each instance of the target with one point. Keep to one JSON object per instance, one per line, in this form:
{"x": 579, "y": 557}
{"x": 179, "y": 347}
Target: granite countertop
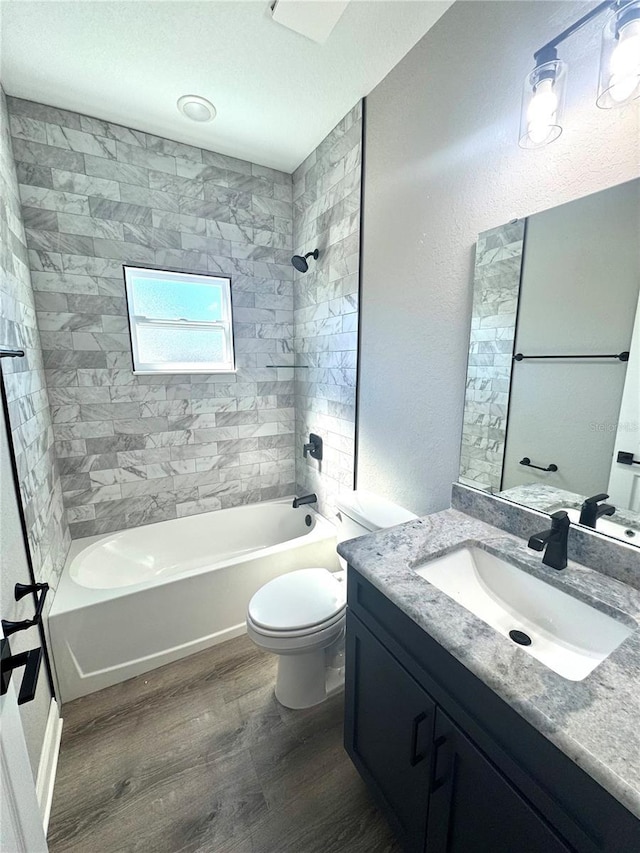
{"x": 548, "y": 499}
{"x": 595, "y": 722}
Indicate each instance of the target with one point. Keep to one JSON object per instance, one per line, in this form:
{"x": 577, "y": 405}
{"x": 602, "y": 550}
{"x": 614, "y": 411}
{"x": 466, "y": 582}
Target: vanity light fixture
{"x": 543, "y": 100}
{"x": 196, "y": 108}
{"x": 620, "y": 57}
{"x": 619, "y": 81}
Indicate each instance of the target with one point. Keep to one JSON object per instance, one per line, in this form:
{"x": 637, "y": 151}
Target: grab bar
{"x": 527, "y": 462}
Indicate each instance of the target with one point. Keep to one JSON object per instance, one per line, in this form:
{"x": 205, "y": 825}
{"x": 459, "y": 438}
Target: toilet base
{"x": 301, "y": 681}
{"x": 307, "y": 679}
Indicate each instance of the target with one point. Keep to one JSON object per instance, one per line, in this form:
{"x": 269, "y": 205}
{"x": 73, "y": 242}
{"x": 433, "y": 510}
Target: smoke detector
{"x": 314, "y": 19}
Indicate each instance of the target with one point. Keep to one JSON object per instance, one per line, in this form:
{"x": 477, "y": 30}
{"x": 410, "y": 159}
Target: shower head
{"x": 300, "y": 261}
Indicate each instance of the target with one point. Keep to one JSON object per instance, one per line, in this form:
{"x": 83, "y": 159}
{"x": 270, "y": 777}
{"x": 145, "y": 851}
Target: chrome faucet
{"x": 553, "y": 541}
{"x": 592, "y": 510}
{"x": 307, "y": 499}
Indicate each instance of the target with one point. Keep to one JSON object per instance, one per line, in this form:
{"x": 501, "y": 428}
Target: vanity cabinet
{"x": 473, "y": 807}
{"x": 454, "y": 768}
{"x": 390, "y": 737}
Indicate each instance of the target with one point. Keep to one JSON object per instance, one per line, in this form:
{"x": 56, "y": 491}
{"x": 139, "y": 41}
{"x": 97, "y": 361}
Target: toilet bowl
{"x": 300, "y": 616}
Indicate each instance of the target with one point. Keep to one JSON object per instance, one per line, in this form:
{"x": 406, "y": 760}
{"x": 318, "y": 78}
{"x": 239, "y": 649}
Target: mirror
{"x": 552, "y": 403}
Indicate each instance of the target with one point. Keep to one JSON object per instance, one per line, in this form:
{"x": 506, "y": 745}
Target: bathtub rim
{"x": 71, "y": 595}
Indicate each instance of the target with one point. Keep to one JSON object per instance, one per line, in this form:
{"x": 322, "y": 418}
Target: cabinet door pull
{"x": 438, "y": 781}
{"x": 416, "y": 757}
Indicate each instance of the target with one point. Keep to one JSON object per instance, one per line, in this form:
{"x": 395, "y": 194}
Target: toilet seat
{"x": 297, "y": 604}
{"x": 294, "y": 634}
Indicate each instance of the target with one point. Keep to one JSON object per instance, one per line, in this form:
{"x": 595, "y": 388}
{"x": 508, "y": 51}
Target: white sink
{"x": 567, "y": 635}
{"x": 606, "y": 524}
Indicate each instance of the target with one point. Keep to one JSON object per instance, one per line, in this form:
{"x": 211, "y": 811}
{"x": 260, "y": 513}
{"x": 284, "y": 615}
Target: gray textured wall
{"x": 442, "y": 165}
{"x": 326, "y": 190}
{"x": 137, "y": 449}
{"x": 32, "y": 435}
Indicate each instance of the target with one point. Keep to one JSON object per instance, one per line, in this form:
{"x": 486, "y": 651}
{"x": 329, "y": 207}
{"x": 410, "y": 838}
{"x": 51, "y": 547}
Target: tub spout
{"x": 307, "y": 499}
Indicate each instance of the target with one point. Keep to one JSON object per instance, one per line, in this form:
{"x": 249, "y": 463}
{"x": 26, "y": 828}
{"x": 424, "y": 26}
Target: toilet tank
{"x": 361, "y": 512}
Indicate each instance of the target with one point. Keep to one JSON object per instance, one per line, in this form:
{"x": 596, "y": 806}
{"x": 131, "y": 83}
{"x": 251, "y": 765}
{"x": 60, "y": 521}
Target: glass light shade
{"x": 543, "y": 104}
{"x": 619, "y": 80}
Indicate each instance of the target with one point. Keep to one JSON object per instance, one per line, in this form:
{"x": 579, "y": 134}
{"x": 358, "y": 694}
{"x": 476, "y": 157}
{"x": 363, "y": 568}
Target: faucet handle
{"x": 560, "y": 521}
{"x": 595, "y": 499}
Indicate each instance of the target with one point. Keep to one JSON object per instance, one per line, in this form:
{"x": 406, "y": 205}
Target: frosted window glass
{"x": 179, "y": 322}
{"x": 170, "y": 300}
{"x": 162, "y": 345}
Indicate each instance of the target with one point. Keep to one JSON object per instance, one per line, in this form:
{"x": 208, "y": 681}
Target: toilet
{"x": 300, "y": 616}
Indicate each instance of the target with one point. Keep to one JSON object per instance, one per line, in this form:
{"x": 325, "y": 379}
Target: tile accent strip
{"x": 493, "y": 326}
{"x": 326, "y": 191}
{"x": 29, "y": 411}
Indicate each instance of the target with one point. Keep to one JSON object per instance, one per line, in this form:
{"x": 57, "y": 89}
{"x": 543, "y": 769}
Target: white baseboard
{"x": 49, "y": 762}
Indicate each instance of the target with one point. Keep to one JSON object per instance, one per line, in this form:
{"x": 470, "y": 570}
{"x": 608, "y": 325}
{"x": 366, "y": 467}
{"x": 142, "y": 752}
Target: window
{"x": 179, "y": 322}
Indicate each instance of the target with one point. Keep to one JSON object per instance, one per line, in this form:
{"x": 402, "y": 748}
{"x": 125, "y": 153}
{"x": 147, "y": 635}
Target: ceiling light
{"x": 196, "y": 108}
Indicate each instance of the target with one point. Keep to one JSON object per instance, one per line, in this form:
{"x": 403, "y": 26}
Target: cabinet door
{"x": 473, "y": 807}
{"x": 389, "y": 732}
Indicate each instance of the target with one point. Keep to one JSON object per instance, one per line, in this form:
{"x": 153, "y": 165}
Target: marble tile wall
{"x": 136, "y": 449}
{"x": 326, "y": 193}
{"x": 493, "y": 324}
{"x": 24, "y": 379}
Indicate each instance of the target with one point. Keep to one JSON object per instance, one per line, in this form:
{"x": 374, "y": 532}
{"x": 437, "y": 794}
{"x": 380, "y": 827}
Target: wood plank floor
{"x": 199, "y": 756}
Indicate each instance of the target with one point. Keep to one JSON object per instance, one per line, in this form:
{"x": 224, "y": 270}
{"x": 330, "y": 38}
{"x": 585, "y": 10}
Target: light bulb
{"x": 542, "y": 110}
{"x": 624, "y": 65}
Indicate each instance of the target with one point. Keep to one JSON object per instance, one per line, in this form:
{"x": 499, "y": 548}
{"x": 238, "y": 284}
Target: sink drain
{"x": 520, "y": 638}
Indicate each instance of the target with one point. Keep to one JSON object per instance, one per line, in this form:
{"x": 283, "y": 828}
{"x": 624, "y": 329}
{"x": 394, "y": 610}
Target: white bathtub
{"x": 131, "y": 601}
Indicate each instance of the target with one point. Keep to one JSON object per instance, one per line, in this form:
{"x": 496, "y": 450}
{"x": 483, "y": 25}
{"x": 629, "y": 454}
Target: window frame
{"x": 141, "y": 368}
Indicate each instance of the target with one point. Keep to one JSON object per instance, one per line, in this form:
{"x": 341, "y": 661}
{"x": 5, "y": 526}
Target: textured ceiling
{"x": 277, "y": 93}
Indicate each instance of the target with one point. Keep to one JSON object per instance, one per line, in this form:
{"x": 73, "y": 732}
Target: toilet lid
{"x": 297, "y": 600}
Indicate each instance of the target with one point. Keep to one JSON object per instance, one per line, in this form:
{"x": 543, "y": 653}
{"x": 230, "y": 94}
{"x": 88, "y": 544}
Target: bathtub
{"x": 131, "y": 601}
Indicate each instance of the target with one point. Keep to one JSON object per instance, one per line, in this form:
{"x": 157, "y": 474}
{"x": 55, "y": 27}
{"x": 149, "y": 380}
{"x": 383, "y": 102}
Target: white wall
{"x": 442, "y": 163}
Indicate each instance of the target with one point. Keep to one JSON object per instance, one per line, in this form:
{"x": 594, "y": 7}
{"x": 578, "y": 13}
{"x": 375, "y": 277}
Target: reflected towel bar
{"x": 626, "y": 458}
{"x": 526, "y": 461}
{"x": 9, "y": 352}
{"x": 621, "y": 356}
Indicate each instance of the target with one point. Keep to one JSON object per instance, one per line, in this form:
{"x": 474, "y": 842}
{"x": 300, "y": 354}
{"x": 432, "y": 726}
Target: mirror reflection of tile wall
{"x": 493, "y": 324}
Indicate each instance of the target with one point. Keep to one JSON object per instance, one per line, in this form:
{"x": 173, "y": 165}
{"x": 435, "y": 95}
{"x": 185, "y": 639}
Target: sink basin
{"x": 567, "y": 635}
{"x": 607, "y": 525}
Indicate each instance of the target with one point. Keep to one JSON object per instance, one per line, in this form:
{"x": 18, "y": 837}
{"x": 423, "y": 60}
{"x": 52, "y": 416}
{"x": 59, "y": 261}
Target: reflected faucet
{"x": 553, "y": 541}
{"x": 307, "y": 499}
{"x": 592, "y": 510}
